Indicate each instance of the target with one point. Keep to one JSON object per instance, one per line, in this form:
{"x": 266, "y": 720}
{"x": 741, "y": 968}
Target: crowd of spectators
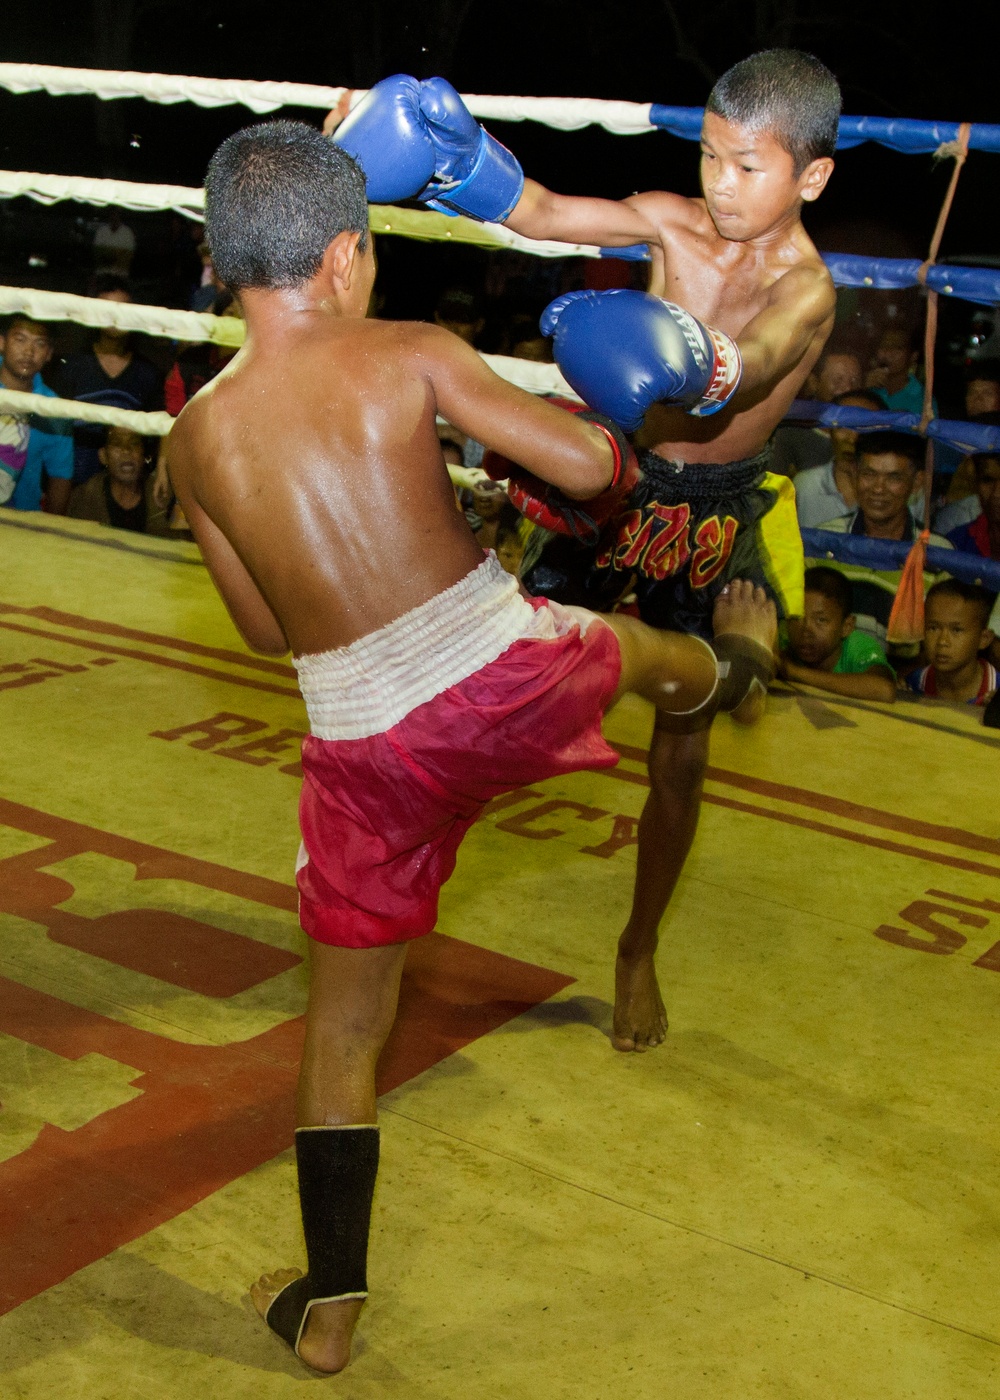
{"x": 867, "y": 484}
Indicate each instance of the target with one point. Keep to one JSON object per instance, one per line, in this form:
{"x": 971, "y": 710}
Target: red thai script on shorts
{"x": 658, "y": 553}
{"x": 713, "y": 542}
{"x": 669, "y": 550}
{"x": 657, "y": 541}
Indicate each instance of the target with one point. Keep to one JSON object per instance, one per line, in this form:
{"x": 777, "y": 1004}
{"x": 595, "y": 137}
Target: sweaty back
{"x": 295, "y": 441}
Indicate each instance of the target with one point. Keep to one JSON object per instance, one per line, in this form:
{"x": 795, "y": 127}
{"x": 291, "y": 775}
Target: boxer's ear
{"x": 339, "y": 266}
{"x": 812, "y": 181}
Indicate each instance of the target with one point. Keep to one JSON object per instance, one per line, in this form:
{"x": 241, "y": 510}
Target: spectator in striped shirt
{"x": 955, "y": 632}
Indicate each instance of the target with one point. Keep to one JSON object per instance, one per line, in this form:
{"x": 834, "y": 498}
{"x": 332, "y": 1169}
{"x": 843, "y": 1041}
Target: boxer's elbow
{"x": 269, "y": 647}
{"x": 592, "y": 475}
{"x": 261, "y": 630}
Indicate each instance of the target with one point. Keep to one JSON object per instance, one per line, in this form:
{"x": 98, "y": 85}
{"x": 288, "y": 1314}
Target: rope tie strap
{"x": 906, "y": 621}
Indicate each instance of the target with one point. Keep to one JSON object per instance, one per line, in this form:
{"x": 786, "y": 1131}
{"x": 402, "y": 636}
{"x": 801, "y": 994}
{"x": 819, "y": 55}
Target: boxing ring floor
{"x": 797, "y": 1196}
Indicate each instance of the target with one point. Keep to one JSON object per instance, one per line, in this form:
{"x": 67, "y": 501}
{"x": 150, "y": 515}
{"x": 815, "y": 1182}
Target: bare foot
{"x": 326, "y": 1342}
{"x": 747, "y": 611}
{"x": 640, "y": 1020}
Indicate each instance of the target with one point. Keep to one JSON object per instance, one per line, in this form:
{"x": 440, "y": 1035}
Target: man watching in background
{"x": 892, "y": 373}
{"x": 982, "y": 388}
{"x": 110, "y": 372}
{"x": 121, "y": 495}
{"x": 826, "y": 491}
{"x": 36, "y": 454}
{"x": 797, "y": 448}
{"x": 888, "y": 466}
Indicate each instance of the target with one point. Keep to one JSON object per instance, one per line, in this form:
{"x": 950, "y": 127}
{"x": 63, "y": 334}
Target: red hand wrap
{"x": 547, "y": 506}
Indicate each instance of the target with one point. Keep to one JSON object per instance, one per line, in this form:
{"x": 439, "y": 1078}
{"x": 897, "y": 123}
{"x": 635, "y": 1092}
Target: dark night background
{"x": 891, "y": 60}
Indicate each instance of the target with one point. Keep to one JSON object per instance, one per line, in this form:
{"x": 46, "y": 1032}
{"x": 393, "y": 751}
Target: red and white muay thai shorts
{"x": 414, "y": 728}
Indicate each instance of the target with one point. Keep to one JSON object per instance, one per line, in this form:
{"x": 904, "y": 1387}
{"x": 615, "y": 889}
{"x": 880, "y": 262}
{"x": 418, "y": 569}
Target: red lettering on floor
{"x": 520, "y": 825}
{"x": 206, "y": 1114}
{"x": 926, "y": 916}
{"x": 625, "y": 832}
{"x": 218, "y": 729}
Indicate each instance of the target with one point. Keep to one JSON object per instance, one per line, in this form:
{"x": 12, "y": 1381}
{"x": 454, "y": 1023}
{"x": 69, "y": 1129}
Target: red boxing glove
{"x": 549, "y": 507}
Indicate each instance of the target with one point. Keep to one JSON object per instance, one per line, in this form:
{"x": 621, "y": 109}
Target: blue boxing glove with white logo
{"x": 388, "y": 137}
{"x": 623, "y": 351}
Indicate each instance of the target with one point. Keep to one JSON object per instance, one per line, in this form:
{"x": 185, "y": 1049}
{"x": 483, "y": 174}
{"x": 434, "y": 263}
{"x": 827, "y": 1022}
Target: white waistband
{"x": 367, "y": 687}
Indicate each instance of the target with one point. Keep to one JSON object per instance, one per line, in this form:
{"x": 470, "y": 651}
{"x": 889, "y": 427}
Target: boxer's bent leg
{"x": 352, "y": 1004}
{"x": 684, "y": 676}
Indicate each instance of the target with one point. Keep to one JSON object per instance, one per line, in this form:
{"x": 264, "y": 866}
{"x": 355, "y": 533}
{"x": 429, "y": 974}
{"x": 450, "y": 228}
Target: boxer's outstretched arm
{"x": 556, "y": 446}
{"x": 610, "y": 223}
{"x": 800, "y": 311}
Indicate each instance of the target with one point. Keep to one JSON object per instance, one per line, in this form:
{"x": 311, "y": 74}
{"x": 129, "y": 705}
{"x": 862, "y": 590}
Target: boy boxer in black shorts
{"x": 707, "y": 509}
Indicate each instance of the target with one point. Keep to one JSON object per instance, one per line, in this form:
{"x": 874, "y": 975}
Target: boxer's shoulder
{"x": 805, "y": 285}
{"x": 669, "y": 213}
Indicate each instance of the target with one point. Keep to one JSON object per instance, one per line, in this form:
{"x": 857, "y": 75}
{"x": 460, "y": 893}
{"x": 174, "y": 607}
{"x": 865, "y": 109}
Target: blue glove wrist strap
{"x": 490, "y": 190}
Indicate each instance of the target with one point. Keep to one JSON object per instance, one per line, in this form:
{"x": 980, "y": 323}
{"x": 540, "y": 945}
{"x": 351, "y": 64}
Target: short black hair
{"x": 906, "y": 333}
{"x": 899, "y": 444}
{"x": 103, "y": 282}
{"x": 22, "y": 318}
{"x": 869, "y": 395}
{"x": 460, "y": 305}
{"x": 830, "y": 350}
{"x": 983, "y": 369}
{"x": 833, "y": 585}
{"x": 508, "y": 523}
{"x": 276, "y": 196}
{"x": 973, "y": 593}
{"x": 787, "y": 93}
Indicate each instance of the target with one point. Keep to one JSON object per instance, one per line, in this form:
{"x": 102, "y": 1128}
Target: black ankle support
{"x": 337, "y": 1170}
{"x": 744, "y": 666}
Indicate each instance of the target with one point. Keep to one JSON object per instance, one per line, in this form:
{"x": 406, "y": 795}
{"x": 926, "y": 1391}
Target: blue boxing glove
{"x": 477, "y": 175}
{"x": 419, "y": 140}
{"x": 623, "y": 351}
{"x": 390, "y": 140}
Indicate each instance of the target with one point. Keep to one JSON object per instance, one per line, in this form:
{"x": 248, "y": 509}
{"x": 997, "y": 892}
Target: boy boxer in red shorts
{"x": 706, "y": 509}
{"x": 312, "y": 476}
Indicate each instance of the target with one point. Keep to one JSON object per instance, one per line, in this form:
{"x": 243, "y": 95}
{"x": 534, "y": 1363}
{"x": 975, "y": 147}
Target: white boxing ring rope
{"x": 163, "y": 321}
{"x": 41, "y": 406}
{"x": 563, "y": 113}
{"x": 192, "y": 327}
{"x": 185, "y": 199}
{"x": 623, "y": 118}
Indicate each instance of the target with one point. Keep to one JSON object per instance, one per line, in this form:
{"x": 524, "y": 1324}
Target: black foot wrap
{"x": 744, "y": 666}
{"x": 337, "y": 1170}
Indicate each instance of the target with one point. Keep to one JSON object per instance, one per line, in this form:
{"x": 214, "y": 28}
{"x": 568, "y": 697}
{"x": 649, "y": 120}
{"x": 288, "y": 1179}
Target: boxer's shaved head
{"x": 276, "y": 196}
{"x": 788, "y": 94}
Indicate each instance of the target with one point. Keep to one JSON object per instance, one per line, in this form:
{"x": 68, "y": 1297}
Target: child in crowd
{"x": 824, "y": 650}
{"x": 511, "y": 539}
{"x": 955, "y": 632}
